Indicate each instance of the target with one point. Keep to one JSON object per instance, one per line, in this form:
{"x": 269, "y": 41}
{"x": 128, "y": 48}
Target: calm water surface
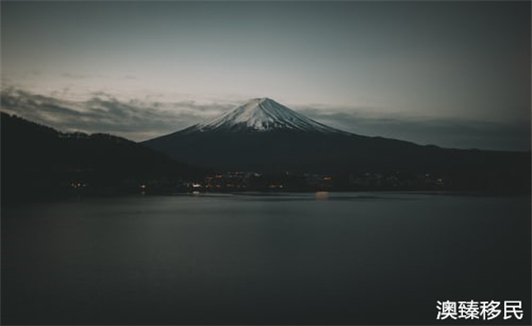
{"x": 345, "y": 258}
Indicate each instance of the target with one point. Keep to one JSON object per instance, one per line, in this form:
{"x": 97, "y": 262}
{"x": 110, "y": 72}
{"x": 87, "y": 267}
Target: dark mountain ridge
{"x": 37, "y": 161}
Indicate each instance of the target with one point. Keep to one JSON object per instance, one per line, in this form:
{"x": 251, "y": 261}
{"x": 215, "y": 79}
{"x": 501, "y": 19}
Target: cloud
{"x": 135, "y": 119}
{"x": 444, "y": 132}
{"x": 79, "y": 76}
{"x": 74, "y": 76}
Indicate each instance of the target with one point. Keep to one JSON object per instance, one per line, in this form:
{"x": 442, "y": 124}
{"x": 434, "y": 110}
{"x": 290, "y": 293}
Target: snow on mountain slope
{"x": 263, "y": 114}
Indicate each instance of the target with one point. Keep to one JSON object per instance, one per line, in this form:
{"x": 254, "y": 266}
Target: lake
{"x": 309, "y": 258}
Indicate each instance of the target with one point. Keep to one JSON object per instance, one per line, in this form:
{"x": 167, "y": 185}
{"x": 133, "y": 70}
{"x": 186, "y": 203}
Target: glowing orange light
{"x": 322, "y": 195}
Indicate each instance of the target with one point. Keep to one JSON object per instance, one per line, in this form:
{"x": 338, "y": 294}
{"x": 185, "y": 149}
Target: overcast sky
{"x": 454, "y": 74}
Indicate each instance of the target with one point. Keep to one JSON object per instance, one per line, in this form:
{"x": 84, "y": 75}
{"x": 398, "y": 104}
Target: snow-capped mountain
{"x": 263, "y": 114}
{"x": 265, "y": 136}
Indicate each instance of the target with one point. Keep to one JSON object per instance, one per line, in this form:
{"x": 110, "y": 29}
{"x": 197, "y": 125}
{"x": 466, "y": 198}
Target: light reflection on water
{"x": 322, "y": 195}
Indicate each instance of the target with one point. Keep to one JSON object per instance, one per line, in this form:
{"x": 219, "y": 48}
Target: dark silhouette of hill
{"x": 38, "y": 161}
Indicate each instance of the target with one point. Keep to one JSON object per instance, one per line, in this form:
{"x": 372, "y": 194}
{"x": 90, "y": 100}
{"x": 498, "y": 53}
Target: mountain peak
{"x": 261, "y": 99}
{"x": 264, "y": 114}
